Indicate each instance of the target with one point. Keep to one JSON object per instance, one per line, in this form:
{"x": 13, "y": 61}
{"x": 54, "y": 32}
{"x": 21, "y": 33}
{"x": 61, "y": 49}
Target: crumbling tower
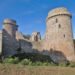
{"x": 35, "y": 36}
{"x": 59, "y": 37}
{"x": 10, "y": 44}
{"x": 10, "y": 26}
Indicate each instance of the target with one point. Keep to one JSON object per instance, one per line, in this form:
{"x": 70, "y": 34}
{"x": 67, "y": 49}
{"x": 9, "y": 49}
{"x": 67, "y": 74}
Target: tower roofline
{"x": 9, "y": 21}
{"x": 58, "y": 11}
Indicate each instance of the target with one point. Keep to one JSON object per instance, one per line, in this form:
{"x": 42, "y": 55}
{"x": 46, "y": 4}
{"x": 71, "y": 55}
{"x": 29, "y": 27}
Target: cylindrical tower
{"x": 10, "y": 26}
{"x": 10, "y": 44}
{"x": 59, "y": 37}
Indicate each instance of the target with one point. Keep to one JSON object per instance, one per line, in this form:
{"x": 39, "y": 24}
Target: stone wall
{"x": 10, "y": 44}
{"x": 59, "y": 35}
{"x": 0, "y": 42}
{"x": 35, "y": 36}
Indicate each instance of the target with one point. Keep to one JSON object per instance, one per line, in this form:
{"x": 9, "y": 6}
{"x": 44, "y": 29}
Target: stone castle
{"x": 58, "y": 41}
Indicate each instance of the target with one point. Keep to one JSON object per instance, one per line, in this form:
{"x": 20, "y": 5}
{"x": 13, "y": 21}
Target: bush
{"x": 16, "y": 60}
{"x": 45, "y": 64}
{"x": 64, "y": 64}
{"x": 72, "y": 64}
{"x": 11, "y": 60}
{"x": 38, "y": 63}
{"x": 26, "y": 62}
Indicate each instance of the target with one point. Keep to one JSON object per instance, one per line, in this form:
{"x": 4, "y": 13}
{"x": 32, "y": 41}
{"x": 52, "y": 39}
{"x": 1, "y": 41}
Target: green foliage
{"x": 26, "y": 62}
{"x": 38, "y": 63}
{"x": 72, "y": 64}
{"x": 36, "y": 60}
{"x": 11, "y": 60}
{"x": 46, "y": 64}
{"x": 64, "y": 64}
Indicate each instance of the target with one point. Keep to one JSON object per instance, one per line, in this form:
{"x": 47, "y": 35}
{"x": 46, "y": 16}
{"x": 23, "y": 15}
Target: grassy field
{"x": 7, "y": 69}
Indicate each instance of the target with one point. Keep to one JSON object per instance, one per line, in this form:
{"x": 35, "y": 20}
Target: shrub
{"x": 64, "y": 64}
{"x": 11, "y": 60}
{"x": 38, "y": 63}
{"x": 45, "y": 64}
{"x": 26, "y": 62}
{"x": 48, "y": 64}
{"x": 72, "y": 64}
{"x": 16, "y": 60}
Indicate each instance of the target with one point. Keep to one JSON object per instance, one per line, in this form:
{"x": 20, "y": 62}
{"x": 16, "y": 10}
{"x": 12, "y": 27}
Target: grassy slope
{"x": 35, "y": 70}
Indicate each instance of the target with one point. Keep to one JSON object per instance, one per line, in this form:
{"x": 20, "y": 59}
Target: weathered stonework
{"x": 58, "y": 42}
{"x": 59, "y": 35}
{"x": 0, "y": 42}
{"x": 10, "y": 43}
{"x": 35, "y": 36}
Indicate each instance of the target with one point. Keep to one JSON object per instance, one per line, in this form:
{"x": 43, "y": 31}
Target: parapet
{"x": 9, "y": 21}
{"x": 59, "y": 11}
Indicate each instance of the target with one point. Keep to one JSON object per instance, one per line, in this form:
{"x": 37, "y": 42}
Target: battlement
{"x": 9, "y": 21}
{"x": 58, "y": 11}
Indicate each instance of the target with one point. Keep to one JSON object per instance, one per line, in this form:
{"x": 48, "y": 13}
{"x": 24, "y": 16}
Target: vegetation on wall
{"x": 31, "y": 59}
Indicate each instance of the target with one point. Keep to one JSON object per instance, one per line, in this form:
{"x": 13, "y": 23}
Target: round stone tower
{"x": 59, "y": 37}
{"x": 10, "y": 43}
{"x": 10, "y": 26}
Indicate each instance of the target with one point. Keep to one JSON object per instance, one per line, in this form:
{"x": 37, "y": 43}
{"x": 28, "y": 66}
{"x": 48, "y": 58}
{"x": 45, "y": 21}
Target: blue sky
{"x": 31, "y": 14}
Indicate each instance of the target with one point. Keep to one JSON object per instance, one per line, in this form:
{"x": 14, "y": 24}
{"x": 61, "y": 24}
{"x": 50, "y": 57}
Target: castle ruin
{"x": 57, "y": 43}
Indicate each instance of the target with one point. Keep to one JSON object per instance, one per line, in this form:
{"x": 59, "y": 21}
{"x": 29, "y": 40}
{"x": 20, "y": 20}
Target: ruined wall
{"x": 29, "y": 45}
{"x": 36, "y": 41}
{"x": 24, "y": 43}
{"x": 35, "y": 36}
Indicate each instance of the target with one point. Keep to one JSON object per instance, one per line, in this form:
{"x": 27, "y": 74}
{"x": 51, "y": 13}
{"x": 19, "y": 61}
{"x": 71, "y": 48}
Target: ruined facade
{"x": 57, "y": 43}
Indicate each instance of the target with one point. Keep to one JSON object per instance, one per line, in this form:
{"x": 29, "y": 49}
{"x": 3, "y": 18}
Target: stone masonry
{"x": 58, "y": 42}
{"x": 58, "y": 36}
{"x": 10, "y": 44}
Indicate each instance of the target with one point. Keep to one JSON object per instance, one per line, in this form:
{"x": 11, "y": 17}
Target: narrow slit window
{"x": 59, "y": 26}
{"x": 56, "y": 20}
{"x": 64, "y": 35}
